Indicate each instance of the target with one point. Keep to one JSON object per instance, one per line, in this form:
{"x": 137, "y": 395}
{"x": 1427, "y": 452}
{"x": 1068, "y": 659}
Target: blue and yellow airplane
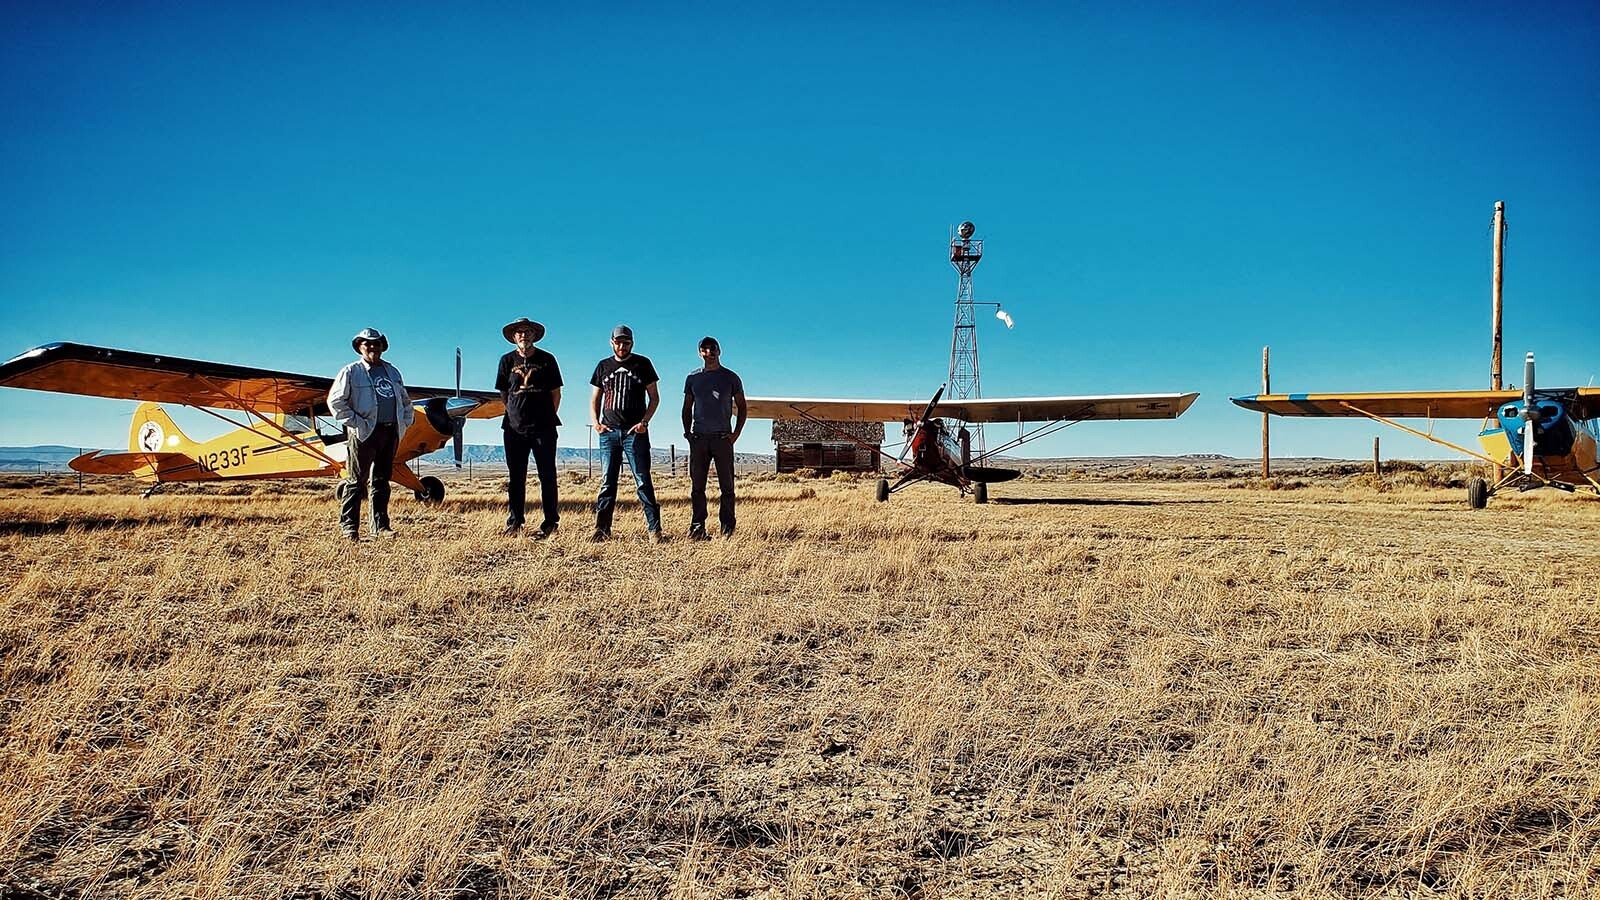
{"x": 1543, "y": 437}
{"x": 282, "y": 436}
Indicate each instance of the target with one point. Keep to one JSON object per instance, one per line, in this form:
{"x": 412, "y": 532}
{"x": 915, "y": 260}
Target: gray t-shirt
{"x": 384, "y": 387}
{"x": 713, "y": 392}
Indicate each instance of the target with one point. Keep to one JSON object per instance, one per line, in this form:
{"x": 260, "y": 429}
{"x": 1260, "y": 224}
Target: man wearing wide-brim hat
{"x": 369, "y": 399}
{"x": 529, "y": 381}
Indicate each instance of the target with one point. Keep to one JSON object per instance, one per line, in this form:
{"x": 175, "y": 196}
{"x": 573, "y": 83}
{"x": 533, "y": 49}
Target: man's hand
{"x": 601, "y": 428}
{"x": 641, "y": 428}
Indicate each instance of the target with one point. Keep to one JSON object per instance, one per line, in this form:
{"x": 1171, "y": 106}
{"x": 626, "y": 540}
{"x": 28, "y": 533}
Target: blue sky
{"x": 1162, "y": 191}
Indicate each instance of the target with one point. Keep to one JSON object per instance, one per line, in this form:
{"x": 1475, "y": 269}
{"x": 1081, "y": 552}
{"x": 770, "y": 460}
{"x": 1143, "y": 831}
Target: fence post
{"x": 1377, "y": 463}
{"x": 1266, "y": 443}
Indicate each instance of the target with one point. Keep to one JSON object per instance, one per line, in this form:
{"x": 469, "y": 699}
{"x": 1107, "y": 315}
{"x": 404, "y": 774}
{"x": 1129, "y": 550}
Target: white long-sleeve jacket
{"x": 354, "y": 400}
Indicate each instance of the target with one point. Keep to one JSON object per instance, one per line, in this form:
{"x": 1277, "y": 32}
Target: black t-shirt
{"x": 622, "y": 383}
{"x": 526, "y": 385}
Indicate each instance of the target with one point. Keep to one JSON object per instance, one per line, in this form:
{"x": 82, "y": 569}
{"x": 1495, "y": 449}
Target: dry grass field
{"x": 1124, "y": 688}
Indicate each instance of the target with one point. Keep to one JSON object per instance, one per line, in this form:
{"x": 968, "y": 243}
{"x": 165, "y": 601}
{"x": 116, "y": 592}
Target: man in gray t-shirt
{"x": 713, "y": 416}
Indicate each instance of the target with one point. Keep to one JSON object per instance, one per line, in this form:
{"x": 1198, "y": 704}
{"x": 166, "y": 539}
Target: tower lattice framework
{"x": 963, "y": 379}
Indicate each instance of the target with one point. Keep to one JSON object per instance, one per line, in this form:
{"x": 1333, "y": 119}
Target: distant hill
{"x": 495, "y": 455}
{"x": 49, "y": 457}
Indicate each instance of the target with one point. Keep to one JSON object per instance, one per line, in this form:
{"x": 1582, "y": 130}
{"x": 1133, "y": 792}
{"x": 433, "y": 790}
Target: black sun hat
{"x": 521, "y": 324}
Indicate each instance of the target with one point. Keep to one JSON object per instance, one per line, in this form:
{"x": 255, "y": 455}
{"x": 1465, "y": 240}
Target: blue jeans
{"x": 614, "y": 445}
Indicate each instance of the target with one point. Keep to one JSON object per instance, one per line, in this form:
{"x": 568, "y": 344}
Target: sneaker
{"x": 727, "y": 532}
{"x": 698, "y": 533}
{"x": 600, "y": 536}
{"x": 352, "y": 536}
{"x": 512, "y": 530}
{"x": 385, "y": 532}
{"x": 655, "y": 537}
{"x": 544, "y": 533}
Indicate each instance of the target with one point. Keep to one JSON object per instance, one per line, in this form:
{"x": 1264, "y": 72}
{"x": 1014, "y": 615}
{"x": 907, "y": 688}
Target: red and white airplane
{"x": 938, "y": 442}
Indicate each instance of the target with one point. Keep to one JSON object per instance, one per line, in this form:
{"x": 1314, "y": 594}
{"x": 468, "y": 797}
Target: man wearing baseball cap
{"x": 370, "y": 401}
{"x": 529, "y": 381}
{"x": 624, "y": 398}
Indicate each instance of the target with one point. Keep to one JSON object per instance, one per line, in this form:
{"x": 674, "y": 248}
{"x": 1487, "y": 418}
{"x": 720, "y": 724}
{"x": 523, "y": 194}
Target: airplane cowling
{"x": 1554, "y": 432}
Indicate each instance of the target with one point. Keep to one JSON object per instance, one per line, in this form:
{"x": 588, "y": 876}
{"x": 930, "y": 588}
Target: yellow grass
{"x": 1159, "y": 689}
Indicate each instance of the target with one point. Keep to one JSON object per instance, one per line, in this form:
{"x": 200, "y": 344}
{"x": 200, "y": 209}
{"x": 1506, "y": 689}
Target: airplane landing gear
{"x": 432, "y": 490}
{"x": 883, "y": 490}
{"x": 980, "y": 493}
{"x": 1477, "y": 493}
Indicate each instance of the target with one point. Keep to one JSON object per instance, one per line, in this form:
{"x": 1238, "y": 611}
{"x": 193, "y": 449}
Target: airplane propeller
{"x": 1530, "y": 415}
{"x": 921, "y": 420}
{"x": 458, "y": 423}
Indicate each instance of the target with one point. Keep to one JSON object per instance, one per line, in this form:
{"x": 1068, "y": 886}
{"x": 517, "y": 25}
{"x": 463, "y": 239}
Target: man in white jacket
{"x": 369, "y": 399}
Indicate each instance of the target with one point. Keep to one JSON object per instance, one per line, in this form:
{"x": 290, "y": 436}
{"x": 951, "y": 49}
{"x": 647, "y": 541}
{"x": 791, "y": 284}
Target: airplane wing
{"x": 1394, "y": 405}
{"x": 1023, "y": 409}
{"x": 130, "y": 375}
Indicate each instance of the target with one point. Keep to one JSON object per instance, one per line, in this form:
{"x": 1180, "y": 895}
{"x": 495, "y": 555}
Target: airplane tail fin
{"x": 154, "y": 431}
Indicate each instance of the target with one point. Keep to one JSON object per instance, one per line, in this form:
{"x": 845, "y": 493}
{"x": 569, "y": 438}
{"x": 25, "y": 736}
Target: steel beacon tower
{"x": 963, "y": 380}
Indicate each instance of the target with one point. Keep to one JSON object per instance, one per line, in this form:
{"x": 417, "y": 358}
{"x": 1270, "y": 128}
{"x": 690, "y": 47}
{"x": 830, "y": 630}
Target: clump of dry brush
{"x": 1165, "y": 689}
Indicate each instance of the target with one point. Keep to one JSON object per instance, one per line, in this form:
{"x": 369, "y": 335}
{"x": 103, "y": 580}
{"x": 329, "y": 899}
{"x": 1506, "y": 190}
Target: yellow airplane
{"x": 1545, "y": 438}
{"x": 281, "y": 437}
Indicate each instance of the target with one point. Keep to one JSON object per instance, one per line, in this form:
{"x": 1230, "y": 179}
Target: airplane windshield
{"x": 296, "y": 424}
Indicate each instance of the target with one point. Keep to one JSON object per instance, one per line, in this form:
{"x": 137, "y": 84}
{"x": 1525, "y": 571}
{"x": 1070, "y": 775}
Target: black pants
{"x": 542, "y": 444}
{"x": 369, "y": 462}
{"x": 703, "y": 450}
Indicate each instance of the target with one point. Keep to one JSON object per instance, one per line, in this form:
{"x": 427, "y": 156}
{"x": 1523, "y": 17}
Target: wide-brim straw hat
{"x": 519, "y": 325}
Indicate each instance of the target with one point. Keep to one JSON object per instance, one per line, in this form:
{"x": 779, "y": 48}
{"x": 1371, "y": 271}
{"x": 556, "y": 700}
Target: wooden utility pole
{"x": 1499, "y": 277}
{"x": 1499, "y": 274}
{"x": 1266, "y": 443}
{"x": 1377, "y": 463}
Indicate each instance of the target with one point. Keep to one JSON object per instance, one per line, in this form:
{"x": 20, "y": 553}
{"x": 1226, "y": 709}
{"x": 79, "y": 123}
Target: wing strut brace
{"x": 296, "y": 443}
{"x": 1048, "y": 428}
{"x": 1425, "y": 435}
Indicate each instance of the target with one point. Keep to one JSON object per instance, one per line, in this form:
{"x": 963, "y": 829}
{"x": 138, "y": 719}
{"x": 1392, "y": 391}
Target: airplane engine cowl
{"x": 435, "y": 409}
{"x": 1553, "y": 430}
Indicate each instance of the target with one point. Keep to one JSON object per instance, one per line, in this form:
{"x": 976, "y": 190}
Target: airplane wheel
{"x": 432, "y": 490}
{"x": 883, "y": 490}
{"x": 980, "y": 493}
{"x": 1477, "y": 493}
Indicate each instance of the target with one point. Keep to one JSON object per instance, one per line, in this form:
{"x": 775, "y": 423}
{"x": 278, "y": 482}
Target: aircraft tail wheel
{"x": 1477, "y": 493}
{"x": 342, "y": 489}
{"x": 883, "y": 489}
{"x": 432, "y": 490}
{"x": 980, "y": 493}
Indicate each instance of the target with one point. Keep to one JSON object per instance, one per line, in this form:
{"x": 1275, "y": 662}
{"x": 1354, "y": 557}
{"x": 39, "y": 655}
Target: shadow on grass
{"x": 1088, "y": 501}
{"x": 106, "y": 523}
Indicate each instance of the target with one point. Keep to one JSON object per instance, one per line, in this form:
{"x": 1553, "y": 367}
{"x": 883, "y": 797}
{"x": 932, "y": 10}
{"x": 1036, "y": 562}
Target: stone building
{"x": 821, "y": 446}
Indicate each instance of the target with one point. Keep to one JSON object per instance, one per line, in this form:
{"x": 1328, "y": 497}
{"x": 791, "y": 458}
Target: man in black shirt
{"x": 529, "y": 382}
{"x": 620, "y": 406}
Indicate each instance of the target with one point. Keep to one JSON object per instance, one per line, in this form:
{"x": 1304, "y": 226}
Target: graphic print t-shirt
{"x": 622, "y": 383}
{"x": 384, "y": 387}
{"x": 713, "y": 392}
{"x": 525, "y": 385}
